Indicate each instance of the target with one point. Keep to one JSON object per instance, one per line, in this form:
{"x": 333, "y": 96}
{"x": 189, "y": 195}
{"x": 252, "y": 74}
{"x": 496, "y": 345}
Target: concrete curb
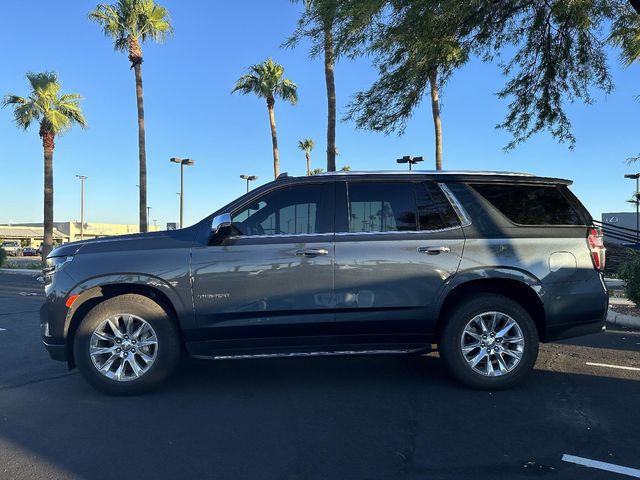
{"x": 21, "y": 271}
{"x": 625, "y": 320}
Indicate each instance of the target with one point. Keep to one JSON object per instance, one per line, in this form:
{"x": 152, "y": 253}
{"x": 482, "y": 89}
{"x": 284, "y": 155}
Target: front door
{"x": 400, "y": 243}
{"x": 273, "y": 275}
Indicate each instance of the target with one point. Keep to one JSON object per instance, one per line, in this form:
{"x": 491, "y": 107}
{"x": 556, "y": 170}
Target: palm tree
{"x": 56, "y": 113}
{"x": 130, "y": 23}
{"x": 626, "y": 35}
{"x": 265, "y": 80}
{"x": 306, "y": 146}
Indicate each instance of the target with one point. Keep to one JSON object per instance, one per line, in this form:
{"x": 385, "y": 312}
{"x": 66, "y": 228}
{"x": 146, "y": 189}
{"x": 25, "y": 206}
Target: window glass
{"x": 530, "y": 204}
{"x": 288, "y": 211}
{"x": 381, "y": 207}
{"x": 434, "y": 210}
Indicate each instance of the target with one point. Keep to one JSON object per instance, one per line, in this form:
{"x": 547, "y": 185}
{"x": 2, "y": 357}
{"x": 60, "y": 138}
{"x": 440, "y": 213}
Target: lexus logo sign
{"x": 611, "y": 220}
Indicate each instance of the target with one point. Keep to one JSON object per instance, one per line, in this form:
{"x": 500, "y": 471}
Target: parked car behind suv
{"x": 12, "y": 248}
{"x": 485, "y": 265}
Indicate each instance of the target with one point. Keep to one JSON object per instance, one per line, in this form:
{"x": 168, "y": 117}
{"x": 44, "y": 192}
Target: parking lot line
{"x": 609, "y": 467}
{"x": 635, "y": 369}
{"x": 3, "y": 329}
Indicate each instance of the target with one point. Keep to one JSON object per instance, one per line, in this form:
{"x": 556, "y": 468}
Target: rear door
{"x": 400, "y": 243}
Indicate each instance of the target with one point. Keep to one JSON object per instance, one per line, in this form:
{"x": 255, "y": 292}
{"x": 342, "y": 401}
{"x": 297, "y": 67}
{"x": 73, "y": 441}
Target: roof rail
{"x": 282, "y": 175}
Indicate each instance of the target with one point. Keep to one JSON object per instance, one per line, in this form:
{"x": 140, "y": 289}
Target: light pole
{"x": 410, "y": 160}
{"x": 182, "y": 162}
{"x": 248, "y": 178}
{"x": 636, "y": 176}
{"x": 82, "y": 179}
{"x": 148, "y": 212}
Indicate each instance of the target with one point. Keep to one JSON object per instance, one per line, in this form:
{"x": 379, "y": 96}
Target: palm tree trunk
{"x": 435, "y": 109}
{"x": 274, "y": 138}
{"x": 142, "y": 152}
{"x": 308, "y": 164}
{"x": 329, "y": 64}
{"x": 47, "y": 243}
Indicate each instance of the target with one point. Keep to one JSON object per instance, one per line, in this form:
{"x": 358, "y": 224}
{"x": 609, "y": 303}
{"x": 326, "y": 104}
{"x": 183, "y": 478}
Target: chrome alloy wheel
{"x": 123, "y": 347}
{"x": 492, "y": 343}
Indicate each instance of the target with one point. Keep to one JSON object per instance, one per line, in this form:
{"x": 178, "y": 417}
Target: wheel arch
{"x": 524, "y": 290}
{"x": 90, "y": 296}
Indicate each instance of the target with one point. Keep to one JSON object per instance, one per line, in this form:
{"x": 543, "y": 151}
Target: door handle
{"x": 312, "y": 252}
{"x": 433, "y": 250}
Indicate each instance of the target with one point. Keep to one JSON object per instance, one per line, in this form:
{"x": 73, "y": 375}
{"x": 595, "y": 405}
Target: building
{"x": 622, "y": 224}
{"x": 30, "y": 234}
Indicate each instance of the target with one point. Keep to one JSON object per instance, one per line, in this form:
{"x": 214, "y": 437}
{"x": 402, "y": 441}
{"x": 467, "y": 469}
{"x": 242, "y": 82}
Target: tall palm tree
{"x": 130, "y": 23}
{"x": 626, "y": 35}
{"x": 265, "y": 81}
{"x": 306, "y": 146}
{"x": 56, "y": 113}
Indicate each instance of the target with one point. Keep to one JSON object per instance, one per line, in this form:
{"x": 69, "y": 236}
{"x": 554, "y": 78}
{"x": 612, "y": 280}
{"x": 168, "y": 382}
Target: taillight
{"x": 595, "y": 240}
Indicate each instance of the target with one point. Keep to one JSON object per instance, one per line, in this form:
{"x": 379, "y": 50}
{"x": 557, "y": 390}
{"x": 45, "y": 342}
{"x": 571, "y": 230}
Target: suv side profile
{"x": 483, "y": 264}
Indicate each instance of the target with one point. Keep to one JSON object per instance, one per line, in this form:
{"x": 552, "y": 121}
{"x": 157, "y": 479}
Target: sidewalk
{"x": 620, "y": 318}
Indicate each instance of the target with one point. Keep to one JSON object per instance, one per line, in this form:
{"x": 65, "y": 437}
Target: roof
{"x": 10, "y": 231}
{"x": 444, "y": 175}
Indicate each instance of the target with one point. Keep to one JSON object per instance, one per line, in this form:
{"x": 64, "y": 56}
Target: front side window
{"x": 381, "y": 207}
{"x": 288, "y": 211}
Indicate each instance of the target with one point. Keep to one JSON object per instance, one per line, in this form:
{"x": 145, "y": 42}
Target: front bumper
{"x": 56, "y": 352}
{"x": 53, "y": 315}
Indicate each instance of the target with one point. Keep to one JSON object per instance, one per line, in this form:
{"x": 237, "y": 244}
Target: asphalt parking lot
{"x": 316, "y": 418}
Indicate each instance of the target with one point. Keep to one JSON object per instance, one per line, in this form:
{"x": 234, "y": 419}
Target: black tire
{"x": 169, "y": 346}
{"x": 450, "y": 342}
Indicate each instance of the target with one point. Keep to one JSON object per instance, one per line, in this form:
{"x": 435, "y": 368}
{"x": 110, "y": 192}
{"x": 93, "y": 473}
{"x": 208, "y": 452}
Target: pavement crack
{"x": 37, "y": 380}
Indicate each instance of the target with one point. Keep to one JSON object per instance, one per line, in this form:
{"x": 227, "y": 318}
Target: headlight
{"x": 55, "y": 264}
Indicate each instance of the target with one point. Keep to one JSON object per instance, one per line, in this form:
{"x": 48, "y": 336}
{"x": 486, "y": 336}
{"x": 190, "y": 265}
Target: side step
{"x": 332, "y": 353}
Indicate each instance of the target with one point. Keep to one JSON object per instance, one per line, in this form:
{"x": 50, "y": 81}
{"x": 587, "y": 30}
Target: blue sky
{"x": 191, "y": 113}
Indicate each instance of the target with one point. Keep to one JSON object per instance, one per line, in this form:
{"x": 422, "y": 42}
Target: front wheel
{"x": 127, "y": 345}
{"x": 489, "y": 342}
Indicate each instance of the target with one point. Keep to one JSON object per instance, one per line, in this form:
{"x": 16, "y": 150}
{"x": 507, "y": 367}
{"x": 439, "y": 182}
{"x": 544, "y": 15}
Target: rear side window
{"x": 381, "y": 207}
{"x": 398, "y": 206}
{"x": 531, "y": 204}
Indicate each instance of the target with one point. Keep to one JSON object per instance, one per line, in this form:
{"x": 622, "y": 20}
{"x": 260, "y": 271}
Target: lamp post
{"x": 182, "y": 162}
{"x": 248, "y": 178}
{"x": 148, "y": 211}
{"x": 82, "y": 179}
{"x": 410, "y": 160}
{"x": 636, "y": 176}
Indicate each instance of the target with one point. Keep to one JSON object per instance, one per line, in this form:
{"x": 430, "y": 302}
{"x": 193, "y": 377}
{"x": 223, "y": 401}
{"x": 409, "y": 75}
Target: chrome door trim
{"x": 465, "y": 221}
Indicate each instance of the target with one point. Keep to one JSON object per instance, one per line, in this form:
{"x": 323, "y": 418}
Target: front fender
{"x": 92, "y": 288}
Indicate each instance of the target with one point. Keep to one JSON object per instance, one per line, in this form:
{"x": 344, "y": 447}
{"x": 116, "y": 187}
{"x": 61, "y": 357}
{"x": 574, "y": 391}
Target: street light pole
{"x": 148, "y": 211}
{"x": 410, "y": 160}
{"x": 636, "y": 176}
{"x": 182, "y": 162}
{"x": 248, "y": 178}
{"x": 82, "y": 179}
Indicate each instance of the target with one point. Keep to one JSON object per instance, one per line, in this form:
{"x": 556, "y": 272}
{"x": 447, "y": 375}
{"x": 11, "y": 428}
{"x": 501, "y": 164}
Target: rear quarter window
{"x": 532, "y": 204}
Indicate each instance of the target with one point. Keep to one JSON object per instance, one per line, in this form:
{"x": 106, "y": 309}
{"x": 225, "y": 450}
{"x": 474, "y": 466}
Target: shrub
{"x": 630, "y": 273}
{"x": 3, "y": 256}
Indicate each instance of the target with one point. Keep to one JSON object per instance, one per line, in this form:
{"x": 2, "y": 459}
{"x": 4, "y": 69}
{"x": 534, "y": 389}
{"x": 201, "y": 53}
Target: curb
{"x": 625, "y": 320}
{"x": 21, "y": 271}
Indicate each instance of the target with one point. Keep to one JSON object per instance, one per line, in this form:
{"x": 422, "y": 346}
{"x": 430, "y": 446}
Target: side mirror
{"x": 220, "y": 221}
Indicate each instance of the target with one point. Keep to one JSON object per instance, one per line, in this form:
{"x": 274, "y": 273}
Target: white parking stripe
{"x": 609, "y": 467}
{"x": 3, "y": 329}
{"x": 635, "y": 369}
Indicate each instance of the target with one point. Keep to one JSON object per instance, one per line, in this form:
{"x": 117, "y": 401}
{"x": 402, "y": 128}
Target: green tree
{"x": 265, "y": 81}
{"x": 317, "y": 171}
{"x": 346, "y": 168}
{"x": 306, "y": 146}
{"x": 417, "y": 46}
{"x": 130, "y": 23}
{"x": 55, "y": 113}
{"x": 625, "y": 34}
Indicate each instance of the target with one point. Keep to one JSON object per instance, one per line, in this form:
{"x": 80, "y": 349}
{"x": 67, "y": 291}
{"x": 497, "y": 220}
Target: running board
{"x": 332, "y": 353}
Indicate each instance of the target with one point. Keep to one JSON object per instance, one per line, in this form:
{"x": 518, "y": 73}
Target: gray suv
{"x": 483, "y": 264}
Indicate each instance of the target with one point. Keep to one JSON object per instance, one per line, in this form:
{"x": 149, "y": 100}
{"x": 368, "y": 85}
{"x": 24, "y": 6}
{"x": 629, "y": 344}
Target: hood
{"x": 134, "y": 241}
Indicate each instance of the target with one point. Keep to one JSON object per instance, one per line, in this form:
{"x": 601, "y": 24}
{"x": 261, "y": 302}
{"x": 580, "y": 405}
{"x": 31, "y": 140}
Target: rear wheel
{"x": 489, "y": 342}
{"x": 127, "y": 345}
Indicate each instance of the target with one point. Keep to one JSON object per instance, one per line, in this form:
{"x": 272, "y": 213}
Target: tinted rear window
{"x": 531, "y": 204}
